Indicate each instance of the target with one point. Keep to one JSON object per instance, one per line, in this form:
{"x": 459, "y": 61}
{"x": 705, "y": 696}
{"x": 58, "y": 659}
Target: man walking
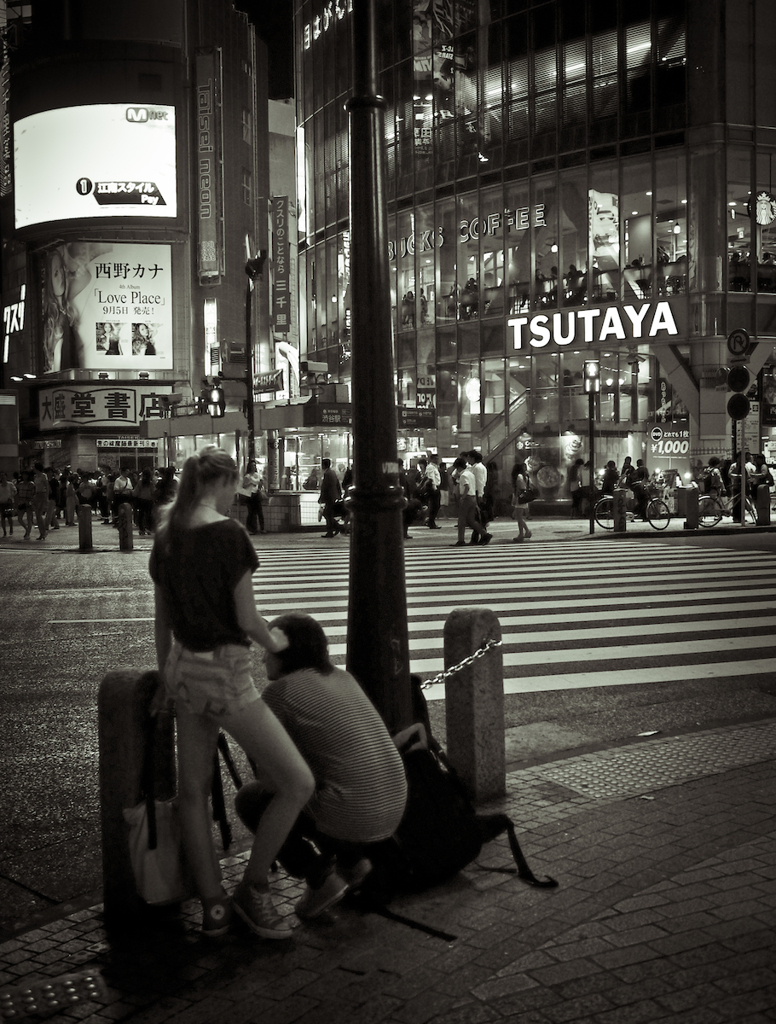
{"x": 480, "y": 479}
{"x": 331, "y": 492}
{"x": 467, "y": 508}
{"x": 434, "y": 490}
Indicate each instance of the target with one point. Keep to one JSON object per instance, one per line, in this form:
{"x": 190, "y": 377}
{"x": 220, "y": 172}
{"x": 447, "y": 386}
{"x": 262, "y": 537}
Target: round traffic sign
{"x": 738, "y": 407}
{"x": 739, "y": 343}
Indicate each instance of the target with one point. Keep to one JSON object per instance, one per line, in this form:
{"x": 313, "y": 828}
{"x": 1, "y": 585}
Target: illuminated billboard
{"x": 106, "y": 307}
{"x": 98, "y": 161}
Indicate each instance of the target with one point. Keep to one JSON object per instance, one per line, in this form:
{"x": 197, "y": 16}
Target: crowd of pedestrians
{"x": 47, "y": 498}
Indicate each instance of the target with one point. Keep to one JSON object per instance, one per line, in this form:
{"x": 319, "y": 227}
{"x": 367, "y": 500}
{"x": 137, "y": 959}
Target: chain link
{"x": 449, "y": 672}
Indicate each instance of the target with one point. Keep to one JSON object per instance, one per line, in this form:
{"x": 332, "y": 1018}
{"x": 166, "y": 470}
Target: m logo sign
{"x": 139, "y": 114}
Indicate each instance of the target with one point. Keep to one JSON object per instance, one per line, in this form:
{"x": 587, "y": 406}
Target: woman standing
{"x": 519, "y": 484}
{"x": 205, "y": 618}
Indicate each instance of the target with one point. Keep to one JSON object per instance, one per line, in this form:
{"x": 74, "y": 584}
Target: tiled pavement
{"x": 665, "y": 853}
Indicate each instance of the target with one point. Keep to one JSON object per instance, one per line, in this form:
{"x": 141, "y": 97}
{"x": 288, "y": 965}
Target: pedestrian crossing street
{"x": 572, "y": 614}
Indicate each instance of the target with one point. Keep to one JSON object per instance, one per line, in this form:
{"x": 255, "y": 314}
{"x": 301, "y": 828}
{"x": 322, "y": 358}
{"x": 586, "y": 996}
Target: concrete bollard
{"x": 126, "y": 533}
{"x": 84, "y": 527}
{"x": 122, "y": 703}
{"x": 474, "y": 703}
{"x": 763, "y": 505}
{"x": 691, "y": 502}
{"x": 620, "y": 510}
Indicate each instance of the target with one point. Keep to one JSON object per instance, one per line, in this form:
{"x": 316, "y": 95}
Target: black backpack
{"x": 440, "y": 834}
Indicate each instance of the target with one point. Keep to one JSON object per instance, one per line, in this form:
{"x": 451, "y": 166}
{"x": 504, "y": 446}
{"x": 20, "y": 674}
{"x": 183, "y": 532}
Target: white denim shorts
{"x": 215, "y": 683}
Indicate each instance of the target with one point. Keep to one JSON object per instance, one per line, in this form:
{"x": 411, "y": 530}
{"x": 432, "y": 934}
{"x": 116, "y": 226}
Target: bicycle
{"x": 656, "y": 513}
{"x": 711, "y": 510}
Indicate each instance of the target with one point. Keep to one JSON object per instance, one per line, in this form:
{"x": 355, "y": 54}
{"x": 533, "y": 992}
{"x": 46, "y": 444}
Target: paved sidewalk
{"x": 665, "y": 851}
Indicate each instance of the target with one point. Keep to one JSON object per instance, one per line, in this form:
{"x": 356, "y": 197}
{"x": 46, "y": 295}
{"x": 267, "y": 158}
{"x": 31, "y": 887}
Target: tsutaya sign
{"x": 584, "y": 326}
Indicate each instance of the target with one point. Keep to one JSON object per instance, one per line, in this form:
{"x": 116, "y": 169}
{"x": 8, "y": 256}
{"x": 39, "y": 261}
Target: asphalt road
{"x": 69, "y": 618}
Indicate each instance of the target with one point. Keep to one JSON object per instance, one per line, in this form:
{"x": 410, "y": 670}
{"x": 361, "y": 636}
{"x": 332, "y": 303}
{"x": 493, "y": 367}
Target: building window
{"x": 247, "y": 126}
{"x": 247, "y": 187}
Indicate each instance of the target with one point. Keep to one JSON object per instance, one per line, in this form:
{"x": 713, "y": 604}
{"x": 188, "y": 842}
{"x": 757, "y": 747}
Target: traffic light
{"x": 216, "y": 402}
{"x": 592, "y": 376}
{"x": 738, "y": 381}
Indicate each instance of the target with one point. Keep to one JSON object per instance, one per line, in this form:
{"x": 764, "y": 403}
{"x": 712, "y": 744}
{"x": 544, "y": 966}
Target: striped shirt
{"x": 360, "y": 786}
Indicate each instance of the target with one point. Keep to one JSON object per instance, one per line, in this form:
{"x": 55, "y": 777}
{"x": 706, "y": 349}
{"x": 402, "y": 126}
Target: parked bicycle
{"x": 656, "y": 513}
{"x": 711, "y": 510}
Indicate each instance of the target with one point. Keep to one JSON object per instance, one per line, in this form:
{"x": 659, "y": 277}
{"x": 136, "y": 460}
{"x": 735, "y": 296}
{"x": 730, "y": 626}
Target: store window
{"x": 330, "y": 163}
{"x": 765, "y": 222}
{"x": 425, "y": 246}
{"x": 575, "y": 84}
{"x": 492, "y": 95}
{"x": 546, "y": 238}
{"x": 575, "y": 404}
{"x": 468, "y": 257}
{"x": 739, "y": 234}
{"x": 492, "y": 251}
{"x": 469, "y": 400}
{"x": 544, "y": 389}
{"x": 572, "y": 257}
{"x": 545, "y": 100}
{"x": 671, "y": 224}
{"x": 322, "y": 305}
{"x": 518, "y": 394}
{"x": 638, "y": 92}
{"x": 405, "y": 266}
{"x": 467, "y": 106}
{"x": 604, "y": 219}
{"x": 636, "y": 210}
{"x": 332, "y": 288}
{"x": 604, "y": 84}
{"x": 518, "y": 241}
{"x": 493, "y": 397}
{"x": 446, "y": 254}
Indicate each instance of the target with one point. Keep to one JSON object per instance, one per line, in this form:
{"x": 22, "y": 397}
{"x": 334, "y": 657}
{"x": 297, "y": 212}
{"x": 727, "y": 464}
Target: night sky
{"x": 274, "y": 23}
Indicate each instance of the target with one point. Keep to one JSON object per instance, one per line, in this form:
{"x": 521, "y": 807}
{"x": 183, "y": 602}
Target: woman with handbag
{"x": 205, "y": 618}
{"x": 520, "y": 488}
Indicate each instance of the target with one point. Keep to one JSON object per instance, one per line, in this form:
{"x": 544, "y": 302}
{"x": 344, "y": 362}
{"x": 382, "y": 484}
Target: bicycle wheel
{"x": 658, "y": 515}
{"x": 604, "y": 513}
{"x": 710, "y": 511}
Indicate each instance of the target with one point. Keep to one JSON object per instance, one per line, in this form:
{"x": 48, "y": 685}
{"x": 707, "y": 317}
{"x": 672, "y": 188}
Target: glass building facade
{"x": 566, "y": 181}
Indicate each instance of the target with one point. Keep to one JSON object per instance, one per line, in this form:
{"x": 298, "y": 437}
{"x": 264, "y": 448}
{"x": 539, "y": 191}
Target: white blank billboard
{"x": 104, "y": 160}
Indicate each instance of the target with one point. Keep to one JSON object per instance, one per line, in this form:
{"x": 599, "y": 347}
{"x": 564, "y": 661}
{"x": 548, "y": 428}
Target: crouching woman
{"x": 360, "y": 784}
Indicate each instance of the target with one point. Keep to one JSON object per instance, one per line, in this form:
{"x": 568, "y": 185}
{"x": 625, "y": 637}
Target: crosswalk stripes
{"x": 572, "y": 615}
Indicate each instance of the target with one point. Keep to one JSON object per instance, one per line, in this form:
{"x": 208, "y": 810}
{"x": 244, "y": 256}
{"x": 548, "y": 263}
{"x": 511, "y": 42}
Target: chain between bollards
{"x": 449, "y": 672}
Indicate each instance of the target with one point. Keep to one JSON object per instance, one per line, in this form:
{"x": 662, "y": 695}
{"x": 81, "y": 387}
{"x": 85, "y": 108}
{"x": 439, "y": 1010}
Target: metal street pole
{"x": 591, "y": 446}
{"x": 249, "y": 413}
{"x": 253, "y": 268}
{"x": 378, "y": 645}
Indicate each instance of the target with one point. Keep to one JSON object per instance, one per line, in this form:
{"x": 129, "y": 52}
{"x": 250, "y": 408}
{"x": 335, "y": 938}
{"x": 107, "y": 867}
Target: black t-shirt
{"x": 198, "y": 574}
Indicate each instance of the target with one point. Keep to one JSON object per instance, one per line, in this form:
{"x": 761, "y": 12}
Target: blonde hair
{"x": 200, "y": 472}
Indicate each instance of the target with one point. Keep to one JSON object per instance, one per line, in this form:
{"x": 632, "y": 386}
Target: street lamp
{"x": 378, "y": 645}
{"x": 254, "y": 268}
{"x": 592, "y": 375}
